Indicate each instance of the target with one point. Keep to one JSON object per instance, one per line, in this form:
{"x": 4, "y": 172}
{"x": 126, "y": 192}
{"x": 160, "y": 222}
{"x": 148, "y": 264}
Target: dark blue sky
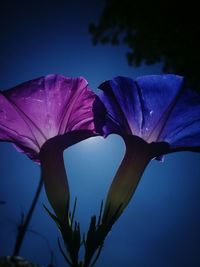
{"x": 161, "y": 226}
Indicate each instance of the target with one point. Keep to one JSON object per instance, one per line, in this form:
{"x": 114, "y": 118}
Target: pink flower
{"x": 41, "y": 118}
{"x": 37, "y": 110}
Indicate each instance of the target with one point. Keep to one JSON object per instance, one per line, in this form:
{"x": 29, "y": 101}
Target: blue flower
{"x": 155, "y": 115}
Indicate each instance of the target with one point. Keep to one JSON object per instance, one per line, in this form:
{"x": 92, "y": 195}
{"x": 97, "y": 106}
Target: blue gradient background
{"x": 161, "y": 226}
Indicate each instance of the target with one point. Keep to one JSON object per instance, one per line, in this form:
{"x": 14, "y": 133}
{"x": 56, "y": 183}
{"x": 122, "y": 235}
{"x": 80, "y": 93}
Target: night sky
{"x": 161, "y": 226}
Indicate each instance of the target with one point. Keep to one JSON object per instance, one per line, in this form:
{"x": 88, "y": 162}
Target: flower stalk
{"x": 55, "y": 178}
{"x": 137, "y": 156}
{"x": 24, "y": 226}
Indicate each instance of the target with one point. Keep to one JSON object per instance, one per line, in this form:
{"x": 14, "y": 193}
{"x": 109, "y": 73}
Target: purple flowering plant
{"x": 155, "y": 115}
{"x": 42, "y": 117}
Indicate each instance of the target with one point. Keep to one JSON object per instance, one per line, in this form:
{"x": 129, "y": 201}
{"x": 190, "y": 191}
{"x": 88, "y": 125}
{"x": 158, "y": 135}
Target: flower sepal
{"x": 71, "y": 236}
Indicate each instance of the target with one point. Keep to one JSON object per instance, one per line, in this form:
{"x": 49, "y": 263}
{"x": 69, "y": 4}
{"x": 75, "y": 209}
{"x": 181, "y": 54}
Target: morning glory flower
{"x": 155, "y": 115}
{"x": 41, "y": 118}
{"x": 37, "y": 110}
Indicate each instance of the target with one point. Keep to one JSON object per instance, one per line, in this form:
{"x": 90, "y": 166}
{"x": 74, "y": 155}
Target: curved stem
{"x": 137, "y": 156}
{"x": 55, "y": 178}
{"x": 23, "y": 228}
{"x": 53, "y": 170}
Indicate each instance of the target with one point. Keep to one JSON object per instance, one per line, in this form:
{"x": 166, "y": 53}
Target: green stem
{"x": 53, "y": 169}
{"x": 137, "y": 156}
{"x": 23, "y": 228}
{"x": 55, "y": 178}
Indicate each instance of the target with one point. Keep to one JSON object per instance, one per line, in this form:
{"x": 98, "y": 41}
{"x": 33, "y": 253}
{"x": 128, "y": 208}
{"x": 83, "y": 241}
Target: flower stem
{"x": 137, "y": 156}
{"x": 23, "y": 227}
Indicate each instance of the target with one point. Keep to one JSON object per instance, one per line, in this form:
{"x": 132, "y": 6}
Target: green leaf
{"x": 55, "y": 219}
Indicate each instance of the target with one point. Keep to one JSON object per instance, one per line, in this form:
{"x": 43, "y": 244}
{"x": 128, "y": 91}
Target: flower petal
{"x": 157, "y": 108}
{"x": 13, "y": 127}
{"x": 40, "y": 109}
{"x": 178, "y": 110}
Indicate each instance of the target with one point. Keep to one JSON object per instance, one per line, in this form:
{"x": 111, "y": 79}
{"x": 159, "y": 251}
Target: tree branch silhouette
{"x": 154, "y": 31}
